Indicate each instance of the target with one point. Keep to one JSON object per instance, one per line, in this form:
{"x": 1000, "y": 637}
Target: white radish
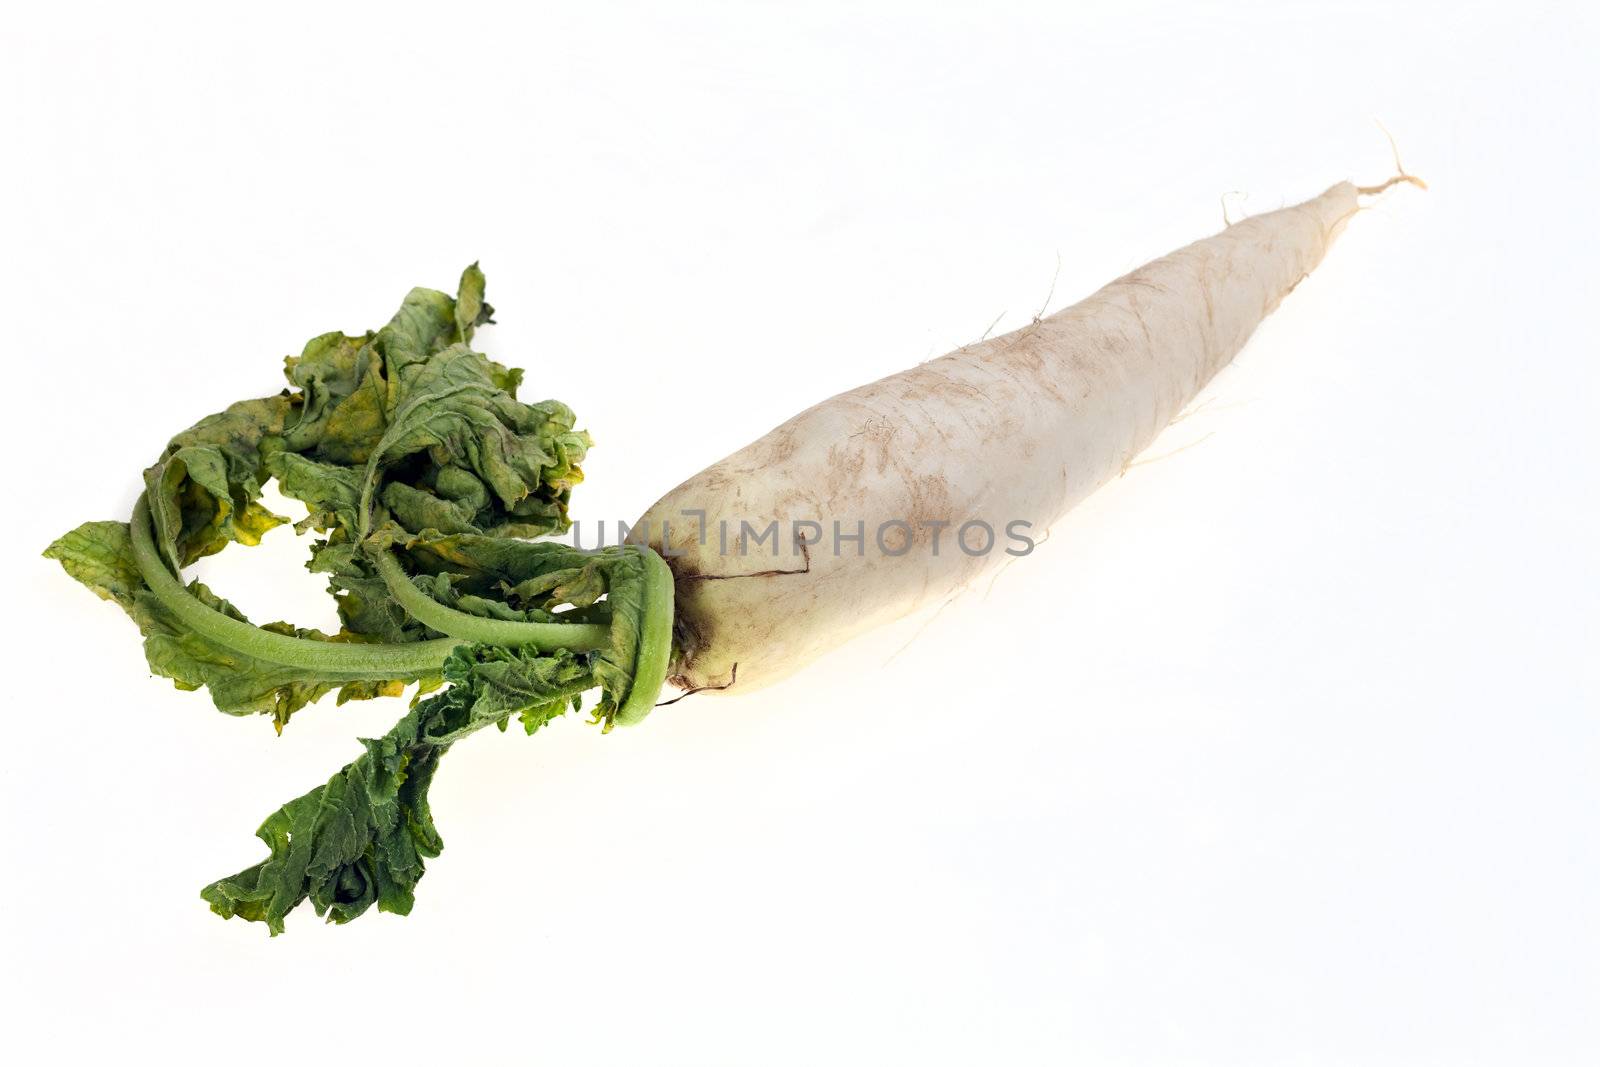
{"x": 1016, "y": 429}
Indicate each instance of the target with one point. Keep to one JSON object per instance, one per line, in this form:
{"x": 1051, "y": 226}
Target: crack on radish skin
{"x": 731, "y": 577}
{"x": 733, "y": 676}
{"x": 805, "y": 553}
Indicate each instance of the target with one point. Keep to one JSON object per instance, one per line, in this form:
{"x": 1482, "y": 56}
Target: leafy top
{"x": 424, "y": 476}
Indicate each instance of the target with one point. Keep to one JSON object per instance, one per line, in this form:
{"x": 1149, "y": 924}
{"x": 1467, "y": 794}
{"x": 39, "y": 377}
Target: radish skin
{"x": 1018, "y": 427}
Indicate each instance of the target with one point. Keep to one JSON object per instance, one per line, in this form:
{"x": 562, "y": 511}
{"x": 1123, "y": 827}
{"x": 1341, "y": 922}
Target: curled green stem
{"x": 545, "y": 636}
{"x": 654, "y": 649}
{"x": 358, "y": 660}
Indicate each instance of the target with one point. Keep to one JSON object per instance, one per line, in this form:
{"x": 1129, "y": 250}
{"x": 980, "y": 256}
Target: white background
{"x": 1283, "y": 749}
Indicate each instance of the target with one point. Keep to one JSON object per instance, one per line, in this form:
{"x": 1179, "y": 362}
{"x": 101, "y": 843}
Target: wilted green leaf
{"x": 361, "y": 838}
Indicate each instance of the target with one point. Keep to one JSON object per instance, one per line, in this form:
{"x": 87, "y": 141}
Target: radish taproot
{"x": 1003, "y": 435}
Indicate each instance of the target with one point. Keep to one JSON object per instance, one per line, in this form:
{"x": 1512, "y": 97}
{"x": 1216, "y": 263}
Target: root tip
{"x": 1400, "y": 171}
{"x": 1374, "y": 190}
